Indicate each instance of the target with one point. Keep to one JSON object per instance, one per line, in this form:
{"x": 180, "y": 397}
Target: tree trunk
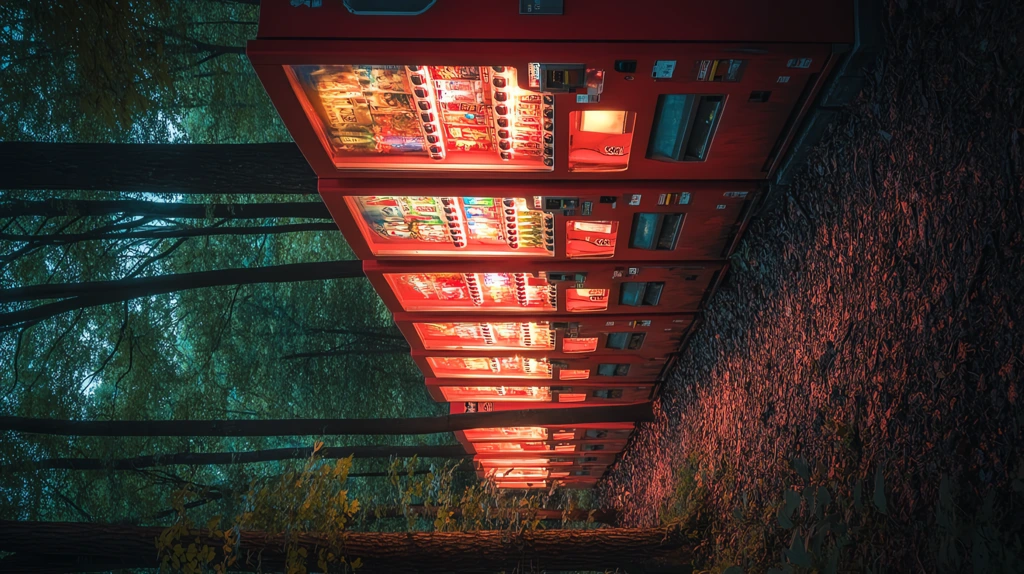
{"x": 85, "y": 547}
{"x": 167, "y": 168}
{"x": 640, "y": 412}
{"x": 244, "y": 457}
{"x": 167, "y": 233}
{"x": 166, "y": 210}
{"x": 90, "y": 294}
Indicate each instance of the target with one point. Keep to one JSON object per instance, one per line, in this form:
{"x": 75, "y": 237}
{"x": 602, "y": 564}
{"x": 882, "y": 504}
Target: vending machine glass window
{"x": 485, "y": 447}
{"x": 507, "y": 433}
{"x": 490, "y": 367}
{"x": 468, "y": 226}
{"x": 509, "y": 394}
{"x": 600, "y": 140}
{"x": 497, "y": 335}
{"x": 513, "y": 472}
{"x": 427, "y": 117}
{"x": 473, "y": 291}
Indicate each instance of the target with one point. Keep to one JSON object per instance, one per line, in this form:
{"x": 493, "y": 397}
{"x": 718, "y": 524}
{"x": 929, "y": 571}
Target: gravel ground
{"x": 871, "y": 318}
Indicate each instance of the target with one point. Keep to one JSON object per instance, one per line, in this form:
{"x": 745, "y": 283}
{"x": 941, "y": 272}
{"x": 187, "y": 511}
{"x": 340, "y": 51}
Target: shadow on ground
{"x": 871, "y": 325}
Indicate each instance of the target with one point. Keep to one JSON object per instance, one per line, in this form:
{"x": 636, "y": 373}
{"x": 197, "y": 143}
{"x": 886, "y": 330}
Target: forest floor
{"x": 857, "y": 381}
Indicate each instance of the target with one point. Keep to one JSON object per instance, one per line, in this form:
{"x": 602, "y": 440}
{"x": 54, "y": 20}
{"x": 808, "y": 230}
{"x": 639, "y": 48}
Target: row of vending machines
{"x": 545, "y": 194}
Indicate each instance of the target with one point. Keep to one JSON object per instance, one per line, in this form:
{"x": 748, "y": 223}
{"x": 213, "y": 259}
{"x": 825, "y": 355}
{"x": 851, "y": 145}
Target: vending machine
{"x": 648, "y": 335}
{"x": 547, "y": 89}
{"x": 464, "y": 288}
{"x": 546, "y": 221}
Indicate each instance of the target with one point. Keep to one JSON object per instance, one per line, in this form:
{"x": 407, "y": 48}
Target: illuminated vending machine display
{"x": 465, "y": 288}
{"x": 534, "y": 393}
{"x": 582, "y": 451}
{"x": 638, "y": 222}
{"x": 422, "y": 117}
{"x": 653, "y": 92}
{"x": 647, "y": 335}
{"x": 501, "y": 365}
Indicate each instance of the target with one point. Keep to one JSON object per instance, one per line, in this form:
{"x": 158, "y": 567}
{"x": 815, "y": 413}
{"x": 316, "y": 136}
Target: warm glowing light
{"x": 510, "y": 394}
{"x": 513, "y": 472}
{"x": 507, "y": 433}
{"x": 497, "y": 335}
{"x": 573, "y": 374}
{"x": 490, "y": 367}
{"x": 579, "y": 345}
{"x": 603, "y": 121}
{"x": 572, "y": 397}
{"x": 586, "y": 300}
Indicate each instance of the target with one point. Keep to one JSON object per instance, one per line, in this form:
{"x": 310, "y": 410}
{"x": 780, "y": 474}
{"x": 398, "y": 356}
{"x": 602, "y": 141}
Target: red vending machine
{"x": 575, "y": 456}
{"x": 627, "y": 221}
{"x": 580, "y": 89}
{"x": 645, "y": 335}
{"x": 463, "y": 288}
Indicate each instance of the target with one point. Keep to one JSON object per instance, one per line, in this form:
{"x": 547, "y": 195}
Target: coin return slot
{"x": 684, "y": 127}
{"x": 641, "y": 293}
{"x": 624, "y": 341}
{"x": 656, "y": 231}
{"x": 613, "y": 369}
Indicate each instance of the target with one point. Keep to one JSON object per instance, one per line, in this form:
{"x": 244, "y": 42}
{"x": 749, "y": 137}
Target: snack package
{"x": 475, "y": 133}
{"x": 455, "y": 72}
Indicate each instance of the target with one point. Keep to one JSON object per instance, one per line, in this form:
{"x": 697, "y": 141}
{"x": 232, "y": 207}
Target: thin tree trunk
{"x": 639, "y": 412}
{"x": 167, "y": 210}
{"x": 182, "y": 281}
{"x": 85, "y": 547}
{"x": 166, "y": 168}
{"x": 168, "y": 233}
{"x": 244, "y": 457}
{"x": 90, "y": 294}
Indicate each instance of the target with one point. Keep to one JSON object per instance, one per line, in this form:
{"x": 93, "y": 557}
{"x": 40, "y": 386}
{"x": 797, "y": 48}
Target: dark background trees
{"x": 137, "y": 145}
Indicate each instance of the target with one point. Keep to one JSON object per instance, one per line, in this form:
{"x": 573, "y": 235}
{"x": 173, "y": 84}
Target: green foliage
{"x": 311, "y": 500}
{"x": 131, "y": 70}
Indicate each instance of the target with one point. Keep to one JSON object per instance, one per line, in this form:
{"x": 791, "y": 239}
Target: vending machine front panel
{"x": 465, "y": 288}
{"x": 486, "y": 393}
{"x": 536, "y": 110}
{"x": 647, "y": 335}
{"x": 534, "y": 365}
{"x": 599, "y": 221}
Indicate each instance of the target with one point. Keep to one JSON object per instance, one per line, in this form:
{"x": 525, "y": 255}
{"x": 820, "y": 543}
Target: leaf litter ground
{"x": 871, "y": 319}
